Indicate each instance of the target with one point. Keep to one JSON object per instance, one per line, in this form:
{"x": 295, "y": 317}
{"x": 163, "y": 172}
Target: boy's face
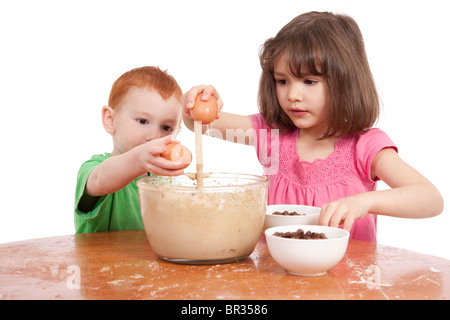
{"x": 142, "y": 116}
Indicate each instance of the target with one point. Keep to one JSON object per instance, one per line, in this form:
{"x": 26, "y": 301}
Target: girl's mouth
{"x": 298, "y": 112}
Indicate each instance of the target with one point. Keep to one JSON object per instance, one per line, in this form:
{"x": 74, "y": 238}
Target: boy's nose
{"x": 152, "y": 133}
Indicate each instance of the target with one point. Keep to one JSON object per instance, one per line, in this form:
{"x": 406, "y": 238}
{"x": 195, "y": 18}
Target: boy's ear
{"x": 108, "y": 119}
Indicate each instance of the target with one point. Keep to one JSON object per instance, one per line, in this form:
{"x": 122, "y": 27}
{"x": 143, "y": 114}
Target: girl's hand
{"x": 188, "y": 99}
{"x": 343, "y": 212}
{"x": 149, "y": 158}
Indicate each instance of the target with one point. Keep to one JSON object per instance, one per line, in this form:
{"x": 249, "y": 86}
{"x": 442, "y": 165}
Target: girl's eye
{"x": 142, "y": 121}
{"x": 281, "y": 81}
{"x": 310, "y": 81}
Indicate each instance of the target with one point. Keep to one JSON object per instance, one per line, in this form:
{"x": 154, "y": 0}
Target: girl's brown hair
{"x": 148, "y": 77}
{"x": 328, "y": 45}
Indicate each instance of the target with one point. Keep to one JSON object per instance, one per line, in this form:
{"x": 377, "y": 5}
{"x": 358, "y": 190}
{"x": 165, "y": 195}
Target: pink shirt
{"x": 345, "y": 172}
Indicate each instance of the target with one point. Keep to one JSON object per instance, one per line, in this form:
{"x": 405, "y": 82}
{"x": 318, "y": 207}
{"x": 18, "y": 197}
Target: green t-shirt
{"x": 117, "y": 211}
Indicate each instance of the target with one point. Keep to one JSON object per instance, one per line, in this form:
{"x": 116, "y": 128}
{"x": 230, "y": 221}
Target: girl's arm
{"x": 227, "y": 126}
{"x": 118, "y": 171}
{"x": 411, "y": 196}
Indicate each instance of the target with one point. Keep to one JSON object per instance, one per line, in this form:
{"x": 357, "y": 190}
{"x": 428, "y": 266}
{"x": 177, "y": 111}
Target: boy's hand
{"x": 188, "y": 99}
{"x": 149, "y": 157}
{"x": 118, "y": 171}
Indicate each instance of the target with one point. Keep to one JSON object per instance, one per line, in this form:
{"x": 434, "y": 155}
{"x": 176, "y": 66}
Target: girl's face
{"x": 303, "y": 99}
{"x": 142, "y": 116}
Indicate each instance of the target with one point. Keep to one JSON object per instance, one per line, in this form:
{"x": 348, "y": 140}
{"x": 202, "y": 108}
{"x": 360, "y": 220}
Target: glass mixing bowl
{"x": 218, "y": 222}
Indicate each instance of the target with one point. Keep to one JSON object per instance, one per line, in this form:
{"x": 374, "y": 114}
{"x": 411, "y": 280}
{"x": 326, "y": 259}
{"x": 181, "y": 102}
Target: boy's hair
{"x": 148, "y": 77}
{"x": 328, "y": 45}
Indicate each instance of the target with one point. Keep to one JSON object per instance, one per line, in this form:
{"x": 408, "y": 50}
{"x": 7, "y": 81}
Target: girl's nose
{"x": 295, "y": 93}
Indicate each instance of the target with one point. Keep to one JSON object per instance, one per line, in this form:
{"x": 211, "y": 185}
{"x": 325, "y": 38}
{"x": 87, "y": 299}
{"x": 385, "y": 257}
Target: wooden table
{"x": 121, "y": 265}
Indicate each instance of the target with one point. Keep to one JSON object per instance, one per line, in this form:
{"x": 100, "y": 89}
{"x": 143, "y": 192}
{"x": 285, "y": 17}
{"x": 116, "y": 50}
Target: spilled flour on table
{"x": 116, "y": 282}
{"x": 425, "y": 278}
{"x": 370, "y": 275}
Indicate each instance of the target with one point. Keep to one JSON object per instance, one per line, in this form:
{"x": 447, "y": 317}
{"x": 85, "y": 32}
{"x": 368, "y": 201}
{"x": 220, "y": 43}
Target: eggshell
{"x": 205, "y": 111}
{"x": 177, "y": 152}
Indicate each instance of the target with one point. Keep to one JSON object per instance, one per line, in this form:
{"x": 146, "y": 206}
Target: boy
{"x": 143, "y": 115}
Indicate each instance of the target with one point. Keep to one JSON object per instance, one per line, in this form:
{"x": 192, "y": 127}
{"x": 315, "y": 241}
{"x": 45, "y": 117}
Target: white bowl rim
{"x": 270, "y": 231}
{"x": 292, "y": 206}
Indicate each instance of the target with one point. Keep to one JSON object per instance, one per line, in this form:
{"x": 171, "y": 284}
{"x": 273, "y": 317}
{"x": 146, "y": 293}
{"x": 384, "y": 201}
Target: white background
{"x": 60, "y": 58}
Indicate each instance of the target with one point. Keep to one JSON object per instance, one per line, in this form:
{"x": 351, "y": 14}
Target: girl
{"x": 317, "y": 90}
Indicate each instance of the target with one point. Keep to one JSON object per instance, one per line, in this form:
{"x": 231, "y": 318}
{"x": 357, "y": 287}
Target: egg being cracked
{"x": 178, "y": 152}
{"x": 205, "y": 111}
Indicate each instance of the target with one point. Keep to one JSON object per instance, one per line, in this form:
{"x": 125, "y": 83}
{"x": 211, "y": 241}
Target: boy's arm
{"x": 113, "y": 174}
{"x": 118, "y": 171}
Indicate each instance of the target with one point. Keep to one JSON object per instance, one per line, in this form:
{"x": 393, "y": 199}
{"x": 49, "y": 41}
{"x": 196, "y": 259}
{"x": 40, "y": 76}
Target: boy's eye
{"x": 142, "y": 121}
{"x": 166, "y": 128}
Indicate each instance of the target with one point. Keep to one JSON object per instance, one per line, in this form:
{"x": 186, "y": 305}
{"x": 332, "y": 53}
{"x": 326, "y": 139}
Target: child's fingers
{"x": 337, "y": 218}
{"x": 209, "y": 91}
{"x": 170, "y": 139}
{"x": 348, "y": 222}
{"x": 189, "y": 97}
{"x": 158, "y": 165}
{"x": 165, "y": 172}
{"x": 335, "y": 215}
{"x": 325, "y": 215}
{"x": 157, "y": 146}
{"x": 206, "y": 91}
{"x": 331, "y": 215}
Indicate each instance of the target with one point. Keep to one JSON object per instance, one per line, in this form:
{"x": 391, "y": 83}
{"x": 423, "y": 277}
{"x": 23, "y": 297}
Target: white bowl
{"x": 307, "y": 257}
{"x": 311, "y": 215}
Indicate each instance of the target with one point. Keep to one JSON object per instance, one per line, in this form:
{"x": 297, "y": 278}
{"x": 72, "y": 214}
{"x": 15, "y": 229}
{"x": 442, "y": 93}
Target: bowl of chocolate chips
{"x": 289, "y": 214}
{"x": 307, "y": 250}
